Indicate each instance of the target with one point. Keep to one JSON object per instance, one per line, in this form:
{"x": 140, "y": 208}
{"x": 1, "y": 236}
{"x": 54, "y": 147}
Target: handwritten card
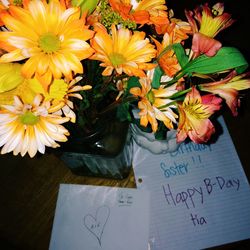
{"x": 105, "y": 218}
{"x": 200, "y": 196}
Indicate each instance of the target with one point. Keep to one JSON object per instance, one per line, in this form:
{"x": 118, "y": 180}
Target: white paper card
{"x": 200, "y": 196}
{"x": 100, "y": 218}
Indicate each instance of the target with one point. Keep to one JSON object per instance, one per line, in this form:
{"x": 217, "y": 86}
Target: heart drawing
{"x": 96, "y": 224}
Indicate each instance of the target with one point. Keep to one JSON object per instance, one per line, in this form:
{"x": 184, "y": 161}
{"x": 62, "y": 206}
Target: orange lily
{"x": 168, "y": 62}
{"x": 228, "y": 89}
{"x": 194, "y": 113}
{"x": 179, "y": 28}
{"x": 210, "y": 22}
{"x": 175, "y": 32}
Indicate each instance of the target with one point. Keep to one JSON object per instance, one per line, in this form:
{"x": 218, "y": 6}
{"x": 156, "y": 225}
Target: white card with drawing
{"x": 200, "y": 196}
{"x": 100, "y": 218}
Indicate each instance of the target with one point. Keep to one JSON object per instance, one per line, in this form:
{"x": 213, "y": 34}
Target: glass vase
{"x": 106, "y": 152}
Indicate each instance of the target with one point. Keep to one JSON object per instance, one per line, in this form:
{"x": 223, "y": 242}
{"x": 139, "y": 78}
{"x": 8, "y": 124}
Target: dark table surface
{"x": 29, "y": 187}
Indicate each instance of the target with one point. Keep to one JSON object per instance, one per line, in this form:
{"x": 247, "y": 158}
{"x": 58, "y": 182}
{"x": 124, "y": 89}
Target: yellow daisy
{"x": 10, "y": 76}
{"x": 123, "y": 52}
{"x": 28, "y": 128}
{"x": 61, "y": 103}
{"x": 12, "y": 83}
{"x": 51, "y": 38}
{"x": 59, "y": 94}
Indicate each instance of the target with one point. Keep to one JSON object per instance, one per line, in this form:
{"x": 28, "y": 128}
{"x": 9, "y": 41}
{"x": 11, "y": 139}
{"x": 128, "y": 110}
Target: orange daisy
{"x": 154, "y": 104}
{"x": 123, "y": 51}
{"x": 53, "y": 50}
{"x": 142, "y": 12}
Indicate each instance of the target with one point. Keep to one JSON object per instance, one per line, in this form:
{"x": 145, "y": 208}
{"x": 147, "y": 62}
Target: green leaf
{"x": 123, "y": 113}
{"x": 133, "y": 82}
{"x": 225, "y": 59}
{"x": 156, "y": 82}
{"x": 180, "y": 54}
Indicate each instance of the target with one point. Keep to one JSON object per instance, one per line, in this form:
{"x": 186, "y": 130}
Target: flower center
{"x": 197, "y": 111}
{"x": 18, "y": 2}
{"x": 117, "y": 59}
{"x": 29, "y": 118}
{"x": 49, "y": 43}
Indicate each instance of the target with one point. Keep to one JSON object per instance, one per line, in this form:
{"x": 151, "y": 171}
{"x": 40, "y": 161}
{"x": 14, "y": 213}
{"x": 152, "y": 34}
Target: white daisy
{"x": 28, "y": 128}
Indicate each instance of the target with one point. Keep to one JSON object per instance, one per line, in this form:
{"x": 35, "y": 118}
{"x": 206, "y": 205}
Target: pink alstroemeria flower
{"x": 228, "y": 89}
{"x": 194, "y": 113}
{"x": 206, "y": 23}
{"x": 202, "y": 44}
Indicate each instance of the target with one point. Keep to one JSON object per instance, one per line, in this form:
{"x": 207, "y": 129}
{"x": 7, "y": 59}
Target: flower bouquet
{"x": 67, "y": 64}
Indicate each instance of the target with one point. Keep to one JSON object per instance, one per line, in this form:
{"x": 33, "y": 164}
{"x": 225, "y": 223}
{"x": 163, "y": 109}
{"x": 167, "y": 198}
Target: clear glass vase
{"x": 106, "y": 152}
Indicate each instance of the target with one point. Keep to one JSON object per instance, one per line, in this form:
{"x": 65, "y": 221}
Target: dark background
{"x": 28, "y": 187}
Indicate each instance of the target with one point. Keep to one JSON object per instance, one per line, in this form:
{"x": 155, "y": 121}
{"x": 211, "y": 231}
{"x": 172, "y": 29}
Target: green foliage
{"x": 133, "y": 82}
{"x": 158, "y": 73}
{"x": 101, "y": 100}
{"x": 123, "y": 112}
{"x": 225, "y": 59}
{"x": 180, "y": 54}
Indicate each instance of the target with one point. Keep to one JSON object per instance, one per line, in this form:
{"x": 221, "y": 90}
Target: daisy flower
{"x": 61, "y": 103}
{"x": 59, "y": 94}
{"x": 123, "y": 52}
{"x": 28, "y": 128}
{"x": 13, "y": 83}
{"x": 154, "y": 104}
{"x": 51, "y": 38}
{"x": 142, "y": 12}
